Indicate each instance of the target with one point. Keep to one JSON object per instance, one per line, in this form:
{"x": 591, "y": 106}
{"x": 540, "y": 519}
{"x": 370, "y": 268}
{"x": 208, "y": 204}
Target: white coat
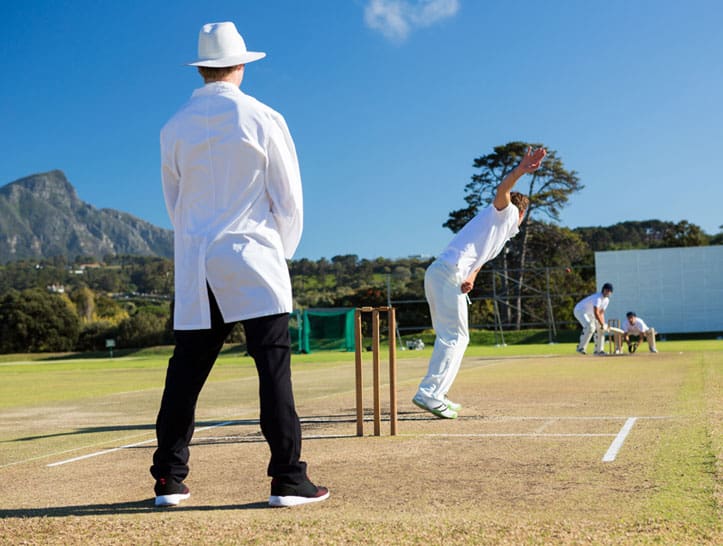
{"x": 232, "y": 188}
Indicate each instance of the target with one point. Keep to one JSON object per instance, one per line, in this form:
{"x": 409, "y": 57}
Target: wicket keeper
{"x": 635, "y": 326}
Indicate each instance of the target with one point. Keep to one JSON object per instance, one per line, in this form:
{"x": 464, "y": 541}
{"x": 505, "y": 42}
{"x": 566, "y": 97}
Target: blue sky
{"x": 389, "y": 102}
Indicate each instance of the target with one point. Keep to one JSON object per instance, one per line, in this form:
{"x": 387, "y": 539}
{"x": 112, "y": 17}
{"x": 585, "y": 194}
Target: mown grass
{"x": 40, "y": 378}
{"x": 687, "y": 469}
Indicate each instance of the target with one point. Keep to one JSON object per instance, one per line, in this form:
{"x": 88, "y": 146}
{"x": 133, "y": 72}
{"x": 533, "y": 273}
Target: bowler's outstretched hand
{"x": 532, "y": 159}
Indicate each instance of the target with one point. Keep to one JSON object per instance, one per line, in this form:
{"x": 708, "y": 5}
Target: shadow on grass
{"x": 126, "y": 428}
{"x": 154, "y": 351}
{"x": 118, "y": 508}
{"x": 117, "y": 353}
{"x": 307, "y": 424}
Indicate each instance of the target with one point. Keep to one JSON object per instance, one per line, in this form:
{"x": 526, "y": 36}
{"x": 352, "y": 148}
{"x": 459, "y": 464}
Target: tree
{"x": 153, "y": 276}
{"x": 84, "y": 300}
{"x": 105, "y": 280}
{"x": 717, "y": 239}
{"x": 684, "y": 234}
{"x": 563, "y": 254}
{"x": 549, "y": 190}
{"x": 569, "y": 248}
{"x": 37, "y": 321}
{"x": 93, "y": 336}
{"x": 107, "y": 309}
{"x": 645, "y": 234}
{"x": 145, "y": 328}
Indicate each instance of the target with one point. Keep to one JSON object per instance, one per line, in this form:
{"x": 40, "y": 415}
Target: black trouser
{"x": 269, "y": 343}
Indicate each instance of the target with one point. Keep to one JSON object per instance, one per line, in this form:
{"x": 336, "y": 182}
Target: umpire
{"x": 232, "y": 188}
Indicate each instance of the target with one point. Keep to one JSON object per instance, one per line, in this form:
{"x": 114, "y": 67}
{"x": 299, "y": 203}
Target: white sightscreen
{"x": 671, "y": 289}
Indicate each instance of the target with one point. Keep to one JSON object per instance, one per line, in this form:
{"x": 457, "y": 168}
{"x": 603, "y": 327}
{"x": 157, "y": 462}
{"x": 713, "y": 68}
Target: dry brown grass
{"x": 523, "y": 465}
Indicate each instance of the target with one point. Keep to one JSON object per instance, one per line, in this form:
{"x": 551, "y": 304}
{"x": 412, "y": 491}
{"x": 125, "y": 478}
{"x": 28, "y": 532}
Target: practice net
{"x": 330, "y": 329}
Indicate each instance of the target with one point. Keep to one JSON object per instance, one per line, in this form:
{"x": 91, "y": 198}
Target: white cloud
{"x": 396, "y": 19}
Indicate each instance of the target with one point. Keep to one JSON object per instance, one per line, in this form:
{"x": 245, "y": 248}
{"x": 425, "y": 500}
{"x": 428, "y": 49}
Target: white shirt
{"x": 593, "y": 300}
{"x": 232, "y": 188}
{"x": 482, "y": 238}
{"x": 638, "y": 327}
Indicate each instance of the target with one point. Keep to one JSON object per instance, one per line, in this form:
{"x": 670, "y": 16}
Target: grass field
{"x": 551, "y": 448}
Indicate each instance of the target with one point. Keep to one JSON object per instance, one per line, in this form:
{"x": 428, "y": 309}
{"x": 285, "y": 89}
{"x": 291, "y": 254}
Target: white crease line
{"x": 543, "y": 426}
{"x": 74, "y": 459}
{"x": 612, "y": 451}
{"x": 57, "y": 453}
{"x": 105, "y": 451}
{"x": 617, "y": 443}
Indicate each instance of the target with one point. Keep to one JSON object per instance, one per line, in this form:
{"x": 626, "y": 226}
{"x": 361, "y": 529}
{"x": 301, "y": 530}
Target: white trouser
{"x": 649, "y": 336}
{"x": 448, "y": 307}
{"x": 590, "y": 327}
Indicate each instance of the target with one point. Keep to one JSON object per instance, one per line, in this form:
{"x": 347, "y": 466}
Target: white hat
{"x": 220, "y": 45}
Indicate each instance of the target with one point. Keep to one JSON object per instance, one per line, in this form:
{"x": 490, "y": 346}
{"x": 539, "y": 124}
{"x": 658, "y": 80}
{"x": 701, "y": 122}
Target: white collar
{"x": 216, "y": 88}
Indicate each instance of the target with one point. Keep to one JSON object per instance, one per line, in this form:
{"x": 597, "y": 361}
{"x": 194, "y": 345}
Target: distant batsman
{"x": 590, "y": 313}
{"x": 232, "y": 188}
{"x": 452, "y": 275}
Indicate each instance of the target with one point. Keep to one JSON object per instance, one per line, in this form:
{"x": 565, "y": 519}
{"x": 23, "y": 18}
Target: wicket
{"x": 614, "y": 338}
{"x": 391, "y": 324}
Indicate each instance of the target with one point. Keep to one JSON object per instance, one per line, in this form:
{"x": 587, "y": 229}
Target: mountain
{"x": 41, "y": 216}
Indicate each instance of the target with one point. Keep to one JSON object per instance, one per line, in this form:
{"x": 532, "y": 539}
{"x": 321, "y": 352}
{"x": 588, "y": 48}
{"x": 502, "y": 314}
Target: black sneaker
{"x": 284, "y": 494}
{"x": 169, "y": 492}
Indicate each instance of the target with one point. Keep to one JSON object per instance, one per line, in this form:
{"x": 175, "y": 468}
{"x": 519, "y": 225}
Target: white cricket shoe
{"x": 438, "y": 408}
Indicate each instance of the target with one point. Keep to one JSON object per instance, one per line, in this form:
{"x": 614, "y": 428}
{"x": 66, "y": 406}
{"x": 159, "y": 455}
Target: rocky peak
{"x": 42, "y": 216}
{"x": 52, "y": 187}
